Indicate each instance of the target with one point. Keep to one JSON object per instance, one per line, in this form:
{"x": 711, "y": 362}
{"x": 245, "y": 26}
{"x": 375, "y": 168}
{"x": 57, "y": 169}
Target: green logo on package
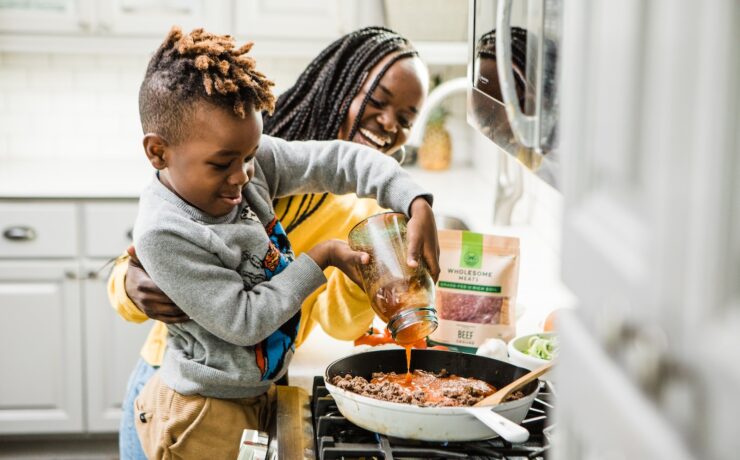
{"x": 471, "y": 259}
{"x": 471, "y": 254}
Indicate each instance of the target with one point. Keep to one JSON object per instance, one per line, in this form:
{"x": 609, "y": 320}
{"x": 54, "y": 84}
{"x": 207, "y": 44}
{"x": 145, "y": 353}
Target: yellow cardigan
{"x": 339, "y": 306}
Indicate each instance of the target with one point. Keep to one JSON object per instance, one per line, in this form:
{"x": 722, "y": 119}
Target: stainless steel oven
{"x": 513, "y": 76}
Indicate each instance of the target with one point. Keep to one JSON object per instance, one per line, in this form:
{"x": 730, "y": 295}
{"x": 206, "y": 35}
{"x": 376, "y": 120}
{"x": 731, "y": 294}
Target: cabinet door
{"x": 651, "y": 242}
{"x": 40, "y": 338}
{"x": 65, "y": 16}
{"x": 38, "y": 229}
{"x": 288, "y": 19}
{"x": 112, "y": 348}
{"x": 109, "y": 227}
{"x": 155, "y": 17}
{"x": 613, "y": 245}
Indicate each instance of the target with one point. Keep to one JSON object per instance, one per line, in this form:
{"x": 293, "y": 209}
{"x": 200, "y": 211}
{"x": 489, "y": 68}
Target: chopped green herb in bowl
{"x": 531, "y": 351}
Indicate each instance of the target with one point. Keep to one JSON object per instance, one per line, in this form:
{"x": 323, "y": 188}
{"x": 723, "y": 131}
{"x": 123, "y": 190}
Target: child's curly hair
{"x": 199, "y": 67}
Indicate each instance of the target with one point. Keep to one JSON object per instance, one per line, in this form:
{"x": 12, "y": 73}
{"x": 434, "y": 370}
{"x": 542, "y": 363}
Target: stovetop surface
{"x": 336, "y": 437}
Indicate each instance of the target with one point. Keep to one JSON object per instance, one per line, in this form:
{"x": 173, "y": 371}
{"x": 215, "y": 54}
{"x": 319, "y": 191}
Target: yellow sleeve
{"x": 340, "y": 307}
{"x": 153, "y": 349}
{"x": 117, "y": 293}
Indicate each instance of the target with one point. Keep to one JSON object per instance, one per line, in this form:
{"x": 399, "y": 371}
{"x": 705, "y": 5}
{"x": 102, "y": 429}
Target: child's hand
{"x": 421, "y": 236}
{"x": 336, "y": 253}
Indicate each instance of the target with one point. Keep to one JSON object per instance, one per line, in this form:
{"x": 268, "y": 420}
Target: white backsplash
{"x": 78, "y": 106}
{"x": 59, "y": 106}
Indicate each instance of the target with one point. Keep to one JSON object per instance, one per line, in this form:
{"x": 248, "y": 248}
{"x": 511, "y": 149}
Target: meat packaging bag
{"x": 476, "y": 291}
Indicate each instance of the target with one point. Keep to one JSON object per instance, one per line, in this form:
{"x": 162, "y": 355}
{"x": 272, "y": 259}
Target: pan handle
{"x": 505, "y": 428}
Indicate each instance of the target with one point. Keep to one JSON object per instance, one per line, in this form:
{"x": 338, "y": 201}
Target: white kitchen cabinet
{"x": 70, "y": 353}
{"x": 279, "y": 19}
{"x": 280, "y": 28}
{"x": 108, "y": 227}
{"x": 42, "y": 230}
{"x": 155, "y": 17}
{"x": 112, "y": 348}
{"x": 41, "y": 389}
{"x": 651, "y": 241}
{"x": 112, "y": 345}
{"x": 274, "y": 19}
{"x": 111, "y": 17}
{"x": 46, "y": 16}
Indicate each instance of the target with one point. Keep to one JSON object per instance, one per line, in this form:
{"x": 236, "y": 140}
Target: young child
{"x": 207, "y": 235}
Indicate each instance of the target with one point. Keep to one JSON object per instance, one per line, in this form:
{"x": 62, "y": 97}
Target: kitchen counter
{"x": 125, "y": 178}
{"x": 39, "y": 179}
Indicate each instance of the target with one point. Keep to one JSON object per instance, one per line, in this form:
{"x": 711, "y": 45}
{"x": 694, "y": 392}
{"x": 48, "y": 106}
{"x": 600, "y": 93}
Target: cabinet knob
{"x": 130, "y": 234}
{"x": 19, "y": 233}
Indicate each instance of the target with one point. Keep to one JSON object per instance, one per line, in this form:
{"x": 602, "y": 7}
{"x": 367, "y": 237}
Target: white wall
{"x": 82, "y": 106}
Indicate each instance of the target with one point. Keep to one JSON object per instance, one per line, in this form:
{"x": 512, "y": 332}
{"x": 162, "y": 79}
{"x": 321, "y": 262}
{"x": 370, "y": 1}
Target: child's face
{"x": 210, "y": 167}
{"x": 392, "y": 108}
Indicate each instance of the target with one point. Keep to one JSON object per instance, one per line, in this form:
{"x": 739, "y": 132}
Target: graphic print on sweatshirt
{"x": 270, "y": 353}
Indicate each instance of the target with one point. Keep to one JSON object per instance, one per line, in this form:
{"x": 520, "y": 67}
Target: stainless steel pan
{"x": 432, "y": 423}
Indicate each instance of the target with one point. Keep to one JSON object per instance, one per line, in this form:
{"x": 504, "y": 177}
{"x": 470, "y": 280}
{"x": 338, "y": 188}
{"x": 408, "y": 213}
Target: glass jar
{"x": 402, "y": 296}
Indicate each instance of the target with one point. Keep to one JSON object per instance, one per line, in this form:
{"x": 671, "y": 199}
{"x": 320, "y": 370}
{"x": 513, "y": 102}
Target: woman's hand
{"x": 147, "y": 296}
{"x": 336, "y": 253}
{"x": 421, "y": 237}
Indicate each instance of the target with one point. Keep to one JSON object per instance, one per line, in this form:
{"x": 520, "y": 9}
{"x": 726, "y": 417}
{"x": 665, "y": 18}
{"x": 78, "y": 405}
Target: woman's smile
{"x": 377, "y": 141}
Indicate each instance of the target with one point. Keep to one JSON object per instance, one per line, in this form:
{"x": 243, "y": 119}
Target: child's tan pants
{"x": 174, "y": 426}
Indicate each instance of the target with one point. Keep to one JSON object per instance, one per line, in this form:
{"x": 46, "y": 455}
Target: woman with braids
{"x": 209, "y": 238}
{"x": 366, "y": 87}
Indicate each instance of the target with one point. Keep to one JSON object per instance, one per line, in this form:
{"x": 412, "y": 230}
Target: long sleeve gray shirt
{"x": 235, "y": 275}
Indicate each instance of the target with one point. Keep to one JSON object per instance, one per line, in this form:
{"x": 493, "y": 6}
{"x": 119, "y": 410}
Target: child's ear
{"x": 155, "y": 147}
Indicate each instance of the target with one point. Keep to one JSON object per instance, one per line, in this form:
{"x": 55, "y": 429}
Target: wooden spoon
{"x": 497, "y": 397}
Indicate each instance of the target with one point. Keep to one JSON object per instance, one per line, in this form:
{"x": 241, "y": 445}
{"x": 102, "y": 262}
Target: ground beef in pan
{"x": 426, "y": 388}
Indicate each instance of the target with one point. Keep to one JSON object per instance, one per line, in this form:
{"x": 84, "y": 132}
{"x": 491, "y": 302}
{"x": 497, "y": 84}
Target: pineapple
{"x": 435, "y": 152}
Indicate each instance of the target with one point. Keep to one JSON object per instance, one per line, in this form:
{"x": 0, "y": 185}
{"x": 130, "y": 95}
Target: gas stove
{"x": 312, "y": 427}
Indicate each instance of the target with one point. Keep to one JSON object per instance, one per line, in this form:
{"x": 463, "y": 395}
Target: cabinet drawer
{"x": 108, "y": 227}
{"x": 38, "y": 229}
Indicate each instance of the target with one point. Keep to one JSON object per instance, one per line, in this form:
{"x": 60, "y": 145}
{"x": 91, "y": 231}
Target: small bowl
{"x": 517, "y": 347}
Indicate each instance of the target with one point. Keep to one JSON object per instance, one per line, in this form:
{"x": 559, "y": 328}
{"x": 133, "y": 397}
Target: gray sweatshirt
{"x": 235, "y": 275}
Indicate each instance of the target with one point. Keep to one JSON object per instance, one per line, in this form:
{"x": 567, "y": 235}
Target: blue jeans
{"x": 128, "y": 441}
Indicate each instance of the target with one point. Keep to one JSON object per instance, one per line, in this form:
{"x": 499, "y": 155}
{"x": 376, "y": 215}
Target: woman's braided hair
{"x": 199, "y": 67}
{"x": 486, "y": 47}
{"x": 316, "y": 106}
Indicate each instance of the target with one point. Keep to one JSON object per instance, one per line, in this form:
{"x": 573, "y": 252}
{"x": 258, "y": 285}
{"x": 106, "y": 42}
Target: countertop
{"x": 125, "y": 178}
{"x": 75, "y": 178}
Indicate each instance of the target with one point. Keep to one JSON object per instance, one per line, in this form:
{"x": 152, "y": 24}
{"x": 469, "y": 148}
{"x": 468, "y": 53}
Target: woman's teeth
{"x": 379, "y": 141}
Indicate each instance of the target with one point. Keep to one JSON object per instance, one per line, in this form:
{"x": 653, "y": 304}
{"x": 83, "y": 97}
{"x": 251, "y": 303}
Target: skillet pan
{"x": 432, "y": 423}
